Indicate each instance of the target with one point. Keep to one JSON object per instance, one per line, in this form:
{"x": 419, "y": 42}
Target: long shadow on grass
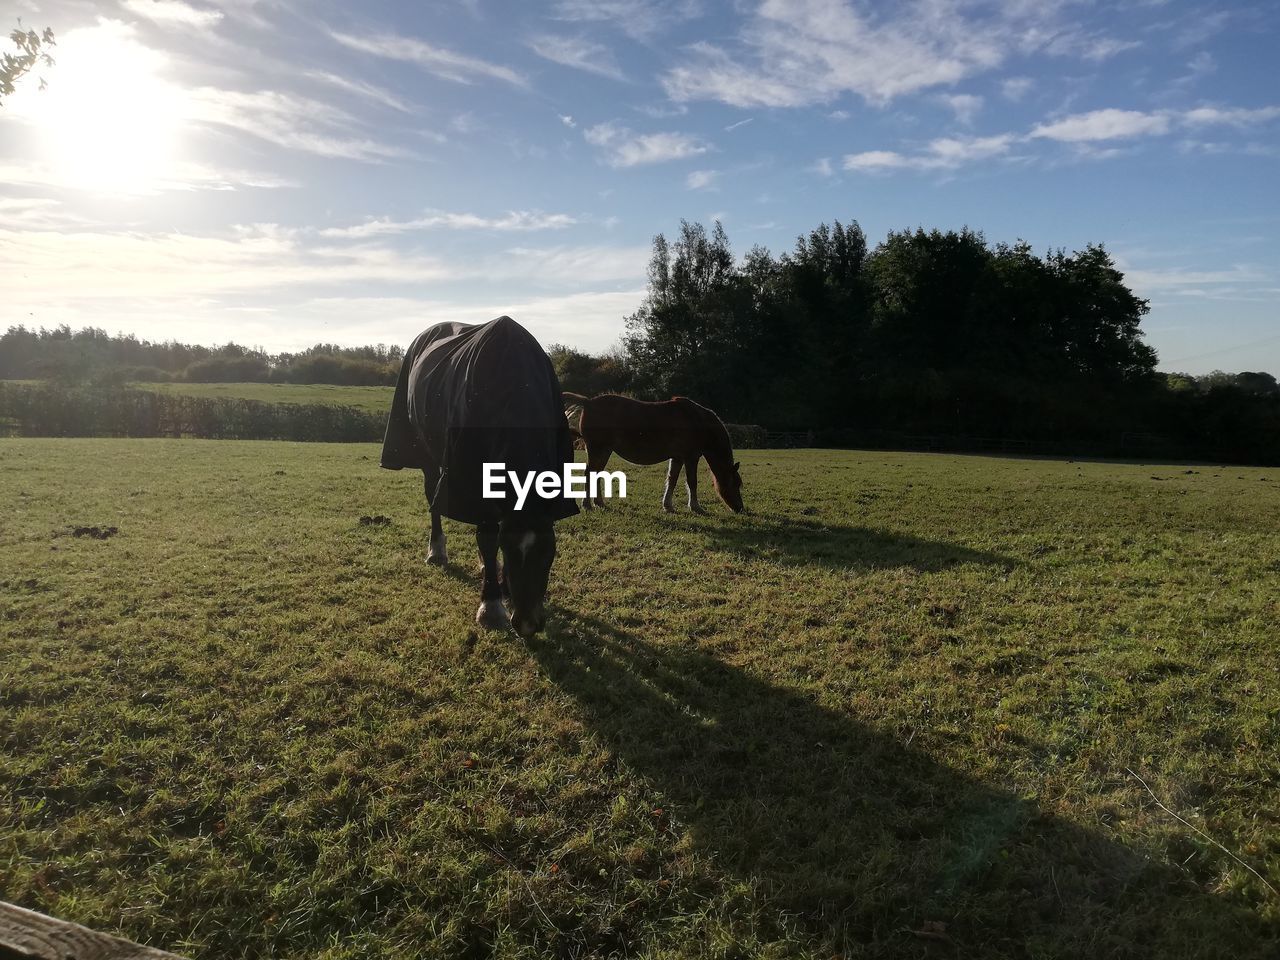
{"x": 805, "y": 542}
{"x": 868, "y": 844}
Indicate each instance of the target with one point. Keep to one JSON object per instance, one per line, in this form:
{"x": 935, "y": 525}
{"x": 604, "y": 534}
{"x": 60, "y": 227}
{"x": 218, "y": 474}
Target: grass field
{"x": 899, "y": 710}
{"x": 370, "y": 399}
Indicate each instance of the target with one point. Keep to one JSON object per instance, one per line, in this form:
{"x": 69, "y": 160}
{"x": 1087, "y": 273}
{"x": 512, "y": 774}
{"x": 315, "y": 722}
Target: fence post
{"x": 33, "y": 936}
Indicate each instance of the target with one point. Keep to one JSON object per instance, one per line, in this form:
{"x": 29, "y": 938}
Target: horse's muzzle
{"x": 526, "y": 625}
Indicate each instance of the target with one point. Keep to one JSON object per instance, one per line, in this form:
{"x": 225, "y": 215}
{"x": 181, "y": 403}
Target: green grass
{"x": 889, "y": 714}
{"x": 369, "y": 399}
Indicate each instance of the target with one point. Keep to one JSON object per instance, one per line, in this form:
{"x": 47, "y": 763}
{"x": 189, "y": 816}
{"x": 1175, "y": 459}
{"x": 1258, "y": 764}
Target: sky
{"x": 282, "y": 172}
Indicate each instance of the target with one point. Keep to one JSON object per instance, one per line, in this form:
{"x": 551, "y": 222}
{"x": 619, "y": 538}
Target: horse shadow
{"x": 795, "y": 542}
{"x": 866, "y": 846}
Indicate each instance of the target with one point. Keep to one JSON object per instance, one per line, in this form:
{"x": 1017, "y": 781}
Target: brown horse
{"x": 677, "y": 430}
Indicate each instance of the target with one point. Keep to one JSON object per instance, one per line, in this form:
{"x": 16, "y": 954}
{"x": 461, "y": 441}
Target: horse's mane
{"x": 723, "y": 446}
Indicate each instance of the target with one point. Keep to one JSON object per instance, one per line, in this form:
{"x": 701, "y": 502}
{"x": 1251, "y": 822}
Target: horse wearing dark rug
{"x": 470, "y": 394}
{"x": 679, "y": 431}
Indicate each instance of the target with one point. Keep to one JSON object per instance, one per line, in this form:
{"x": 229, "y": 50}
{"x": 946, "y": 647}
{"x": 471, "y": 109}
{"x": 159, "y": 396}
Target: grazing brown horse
{"x": 677, "y": 430}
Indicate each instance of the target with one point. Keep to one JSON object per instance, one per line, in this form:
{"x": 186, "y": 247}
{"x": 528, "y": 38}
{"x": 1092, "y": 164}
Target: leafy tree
{"x": 588, "y": 374}
{"x": 679, "y": 337}
{"x": 31, "y": 48}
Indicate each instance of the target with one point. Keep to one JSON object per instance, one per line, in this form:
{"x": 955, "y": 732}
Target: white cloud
{"x": 798, "y": 52}
{"x": 288, "y": 120}
{"x": 741, "y": 123}
{"x": 1015, "y": 88}
{"x": 1082, "y": 132}
{"x": 945, "y": 153}
{"x": 623, "y": 148}
{"x": 362, "y": 89}
{"x": 110, "y": 264}
{"x": 875, "y": 160}
{"x": 437, "y": 60}
{"x": 466, "y": 123}
{"x": 1107, "y": 124}
{"x": 663, "y": 111}
{"x": 822, "y": 167}
{"x": 701, "y": 179}
{"x": 268, "y": 260}
{"x": 578, "y": 53}
{"x": 964, "y": 105}
{"x": 565, "y": 266}
{"x": 1182, "y": 279}
{"x": 641, "y": 19}
{"x": 37, "y": 213}
{"x": 515, "y": 221}
{"x": 568, "y": 121}
{"x": 178, "y": 175}
{"x": 173, "y": 12}
{"x": 1199, "y": 66}
{"x": 1231, "y": 116}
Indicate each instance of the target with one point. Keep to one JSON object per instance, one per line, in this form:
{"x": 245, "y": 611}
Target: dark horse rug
{"x": 470, "y": 394}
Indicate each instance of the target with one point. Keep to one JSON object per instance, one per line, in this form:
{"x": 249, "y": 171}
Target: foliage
{"x": 228, "y": 369}
{"x": 30, "y": 49}
{"x": 931, "y": 333}
{"x": 341, "y": 370}
{"x": 56, "y": 410}
{"x": 589, "y": 375}
{"x": 94, "y": 355}
{"x": 889, "y": 714}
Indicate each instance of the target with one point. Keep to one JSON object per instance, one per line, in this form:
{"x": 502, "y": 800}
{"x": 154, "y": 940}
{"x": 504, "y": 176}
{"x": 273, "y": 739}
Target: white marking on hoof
{"x": 437, "y": 554}
{"x": 666, "y": 505}
{"x": 694, "y": 505}
{"x": 492, "y": 615}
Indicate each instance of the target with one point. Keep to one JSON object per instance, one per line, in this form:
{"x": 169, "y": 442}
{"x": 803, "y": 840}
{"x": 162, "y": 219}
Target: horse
{"x": 676, "y": 430}
{"x": 471, "y": 394}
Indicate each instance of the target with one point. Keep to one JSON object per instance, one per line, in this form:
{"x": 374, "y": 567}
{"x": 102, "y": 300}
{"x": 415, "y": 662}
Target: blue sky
{"x": 280, "y": 173}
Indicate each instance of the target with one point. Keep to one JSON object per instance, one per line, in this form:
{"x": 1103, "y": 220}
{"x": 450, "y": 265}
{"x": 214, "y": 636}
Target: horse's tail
{"x": 574, "y": 404}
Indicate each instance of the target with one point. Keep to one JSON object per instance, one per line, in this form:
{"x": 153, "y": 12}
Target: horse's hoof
{"x": 437, "y": 554}
{"x": 492, "y": 615}
{"x": 668, "y": 508}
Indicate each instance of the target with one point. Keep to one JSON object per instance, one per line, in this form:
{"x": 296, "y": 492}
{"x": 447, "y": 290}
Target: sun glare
{"x": 107, "y": 121}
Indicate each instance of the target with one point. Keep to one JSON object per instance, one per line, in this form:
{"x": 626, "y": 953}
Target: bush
{"x": 54, "y": 410}
{"x": 227, "y": 369}
{"x": 746, "y": 436}
{"x": 346, "y": 371}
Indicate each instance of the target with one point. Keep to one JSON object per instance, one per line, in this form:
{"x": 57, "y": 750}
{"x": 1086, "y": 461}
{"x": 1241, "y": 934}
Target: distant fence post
{"x": 28, "y": 935}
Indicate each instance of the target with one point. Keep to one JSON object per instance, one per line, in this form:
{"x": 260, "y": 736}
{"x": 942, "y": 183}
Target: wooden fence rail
{"x": 27, "y": 935}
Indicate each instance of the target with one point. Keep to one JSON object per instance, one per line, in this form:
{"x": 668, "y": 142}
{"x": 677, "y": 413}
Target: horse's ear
{"x": 736, "y": 466}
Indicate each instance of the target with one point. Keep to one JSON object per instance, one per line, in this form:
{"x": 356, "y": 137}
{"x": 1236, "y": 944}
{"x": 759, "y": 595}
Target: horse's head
{"x": 528, "y": 549}
{"x": 728, "y": 484}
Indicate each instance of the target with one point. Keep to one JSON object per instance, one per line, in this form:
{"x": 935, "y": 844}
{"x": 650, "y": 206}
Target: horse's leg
{"x": 437, "y": 555}
{"x": 491, "y": 615}
{"x": 673, "y": 477}
{"x": 597, "y": 459}
{"x": 691, "y": 481}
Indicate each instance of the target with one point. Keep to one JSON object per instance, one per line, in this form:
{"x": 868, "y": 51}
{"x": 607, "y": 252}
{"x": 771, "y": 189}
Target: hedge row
{"x": 52, "y": 410}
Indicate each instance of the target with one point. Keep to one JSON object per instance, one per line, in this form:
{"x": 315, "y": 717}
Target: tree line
{"x": 92, "y": 355}
{"x": 931, "y": 336}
